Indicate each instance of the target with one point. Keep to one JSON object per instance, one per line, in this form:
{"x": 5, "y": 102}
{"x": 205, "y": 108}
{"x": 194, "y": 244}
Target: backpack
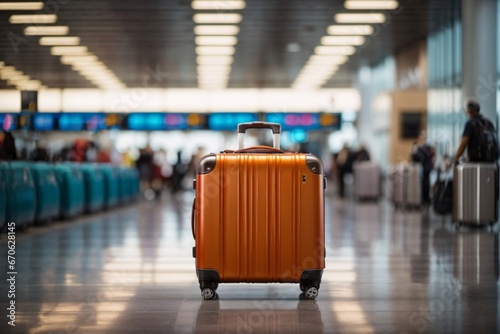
{"x": 486, "y": 149}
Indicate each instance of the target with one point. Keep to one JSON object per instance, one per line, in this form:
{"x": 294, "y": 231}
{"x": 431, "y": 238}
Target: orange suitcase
{"x": 258, "y": 217}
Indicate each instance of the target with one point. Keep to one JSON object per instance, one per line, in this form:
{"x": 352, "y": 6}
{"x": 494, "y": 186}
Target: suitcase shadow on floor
{"x": 259, "y": 316}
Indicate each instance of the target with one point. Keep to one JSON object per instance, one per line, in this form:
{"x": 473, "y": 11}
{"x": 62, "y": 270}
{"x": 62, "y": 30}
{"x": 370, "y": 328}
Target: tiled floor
{"x": 131, "y": 270}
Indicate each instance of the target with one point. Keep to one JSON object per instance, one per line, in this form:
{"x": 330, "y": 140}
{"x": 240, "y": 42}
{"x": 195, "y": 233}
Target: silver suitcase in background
{"x": 366, "y": 180}
{"x": 474, "y": 194}
{"x": 406, "y": 186}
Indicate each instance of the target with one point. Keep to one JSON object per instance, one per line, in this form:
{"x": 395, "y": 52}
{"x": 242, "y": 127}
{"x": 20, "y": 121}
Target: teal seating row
{"x": 34, "y": 193}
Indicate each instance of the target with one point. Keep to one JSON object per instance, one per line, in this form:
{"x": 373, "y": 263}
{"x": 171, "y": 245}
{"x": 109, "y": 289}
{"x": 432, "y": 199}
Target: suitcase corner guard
{"x": 314, "y": 164}
{"x": 207, "y": 164}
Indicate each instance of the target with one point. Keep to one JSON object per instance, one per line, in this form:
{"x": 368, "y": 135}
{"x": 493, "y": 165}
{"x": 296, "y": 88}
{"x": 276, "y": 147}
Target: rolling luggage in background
{"x": 258, "y": 217}
{"x": 21, "y": 199}
{"x": 47, "y": 192}
{"x": 135, "y": 183}
{"x": 4, "y": 187}
{"x": 3, "y": 200}
{"x": 71, "y": 188}
{"x": 130, "y": 183}
{"x": 366, "y": 180}
{"x": 111, "y": 178}
{"x": 442, "y": 198}
{"x": 474, "y": 194}
{"x": 406, "y": 185}
{"x": 94, "y": 187}
{"x": 125, "y": 185}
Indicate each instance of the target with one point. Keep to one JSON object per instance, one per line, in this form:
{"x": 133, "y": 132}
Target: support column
{"x": 365, "y": 117}
{"x": 479, "y": 54}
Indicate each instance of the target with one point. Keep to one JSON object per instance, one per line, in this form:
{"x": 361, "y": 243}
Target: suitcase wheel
{"x": 311, "y": 292}
{"x": 208, "y": 293}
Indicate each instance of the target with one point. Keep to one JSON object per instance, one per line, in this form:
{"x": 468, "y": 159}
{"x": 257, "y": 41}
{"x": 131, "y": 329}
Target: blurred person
{"x": 127, "y": 158}
{"x": 362, "y": 154}
{"x": 39, "y": 153}
{"x": 79, "y": 150}
{"x": 344, "y": 167}
{"x": 144, "y": 164}
{"x": 479, "y": 137}
{"x": 179, "y": 171}
{"x": 424, "y": 154}
{"x": 92, "y": 152}
{"x": 103, "y": 156}
{"x": 8, "y": 147}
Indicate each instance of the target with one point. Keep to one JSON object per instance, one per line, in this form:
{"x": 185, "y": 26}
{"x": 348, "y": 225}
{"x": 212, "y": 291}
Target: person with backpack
{"x": 424, "y": 154}
{"x": 479, "y": 137}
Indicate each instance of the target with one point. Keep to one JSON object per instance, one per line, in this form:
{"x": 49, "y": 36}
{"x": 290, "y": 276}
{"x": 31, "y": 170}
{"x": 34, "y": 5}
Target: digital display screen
{"x": 8, "y": 122}
{"x": 81, "y": 121}
{"x": 164, "y": 121}
{"x": 44, "y": 122}
{"x": 229, "y": 121}
{"x": 305, "y": 121}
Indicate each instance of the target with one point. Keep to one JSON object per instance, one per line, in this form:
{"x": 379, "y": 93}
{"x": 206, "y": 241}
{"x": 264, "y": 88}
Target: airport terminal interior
{"x": 249, "y": 166}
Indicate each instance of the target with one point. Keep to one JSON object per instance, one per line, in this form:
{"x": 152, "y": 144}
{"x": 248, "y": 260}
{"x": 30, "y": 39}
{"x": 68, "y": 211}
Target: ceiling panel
{"x": 151, "y": 42}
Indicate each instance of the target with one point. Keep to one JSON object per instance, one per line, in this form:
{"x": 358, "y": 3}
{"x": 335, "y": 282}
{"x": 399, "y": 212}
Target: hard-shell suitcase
{"x": 258, "y": 217}
{"x": 72, "y": 191}
{"x": 3, "y": 200}
{"x": 4, "y": 187}
{"x": 135, "y": 183}
{"x": 474, "y": 194}
{"x": 111, "y": 178}
{"x": 94, "y": 187}
{"x": 21, "y": 199}
{"x": 406, "y": 186}
{"x": 442, "y": 198}
{"x": 366, "y": 180}
{"x": 47, "y": 192}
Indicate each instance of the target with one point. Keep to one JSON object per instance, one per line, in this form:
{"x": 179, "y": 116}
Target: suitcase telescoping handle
{"x": 243, "y": 127}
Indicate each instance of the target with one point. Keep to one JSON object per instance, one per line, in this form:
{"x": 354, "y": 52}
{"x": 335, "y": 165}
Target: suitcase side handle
{"x": 243, "y": 127}
{"x": 193, "y": 210}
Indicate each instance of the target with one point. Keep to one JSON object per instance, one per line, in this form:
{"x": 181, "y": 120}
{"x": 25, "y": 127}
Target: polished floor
{"x": 130, "y": 270}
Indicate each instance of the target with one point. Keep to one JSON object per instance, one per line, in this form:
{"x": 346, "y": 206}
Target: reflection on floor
{"x": 131, "y": 270}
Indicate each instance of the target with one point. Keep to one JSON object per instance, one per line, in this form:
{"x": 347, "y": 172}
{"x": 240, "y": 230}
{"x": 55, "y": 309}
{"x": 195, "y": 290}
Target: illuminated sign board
{"x": 8, "y": 122}
{"x": 164, "y": 121}
{"x": 69, "y": 121}
{"x": 305, "y": 121}
{"x": 229, "y": 121}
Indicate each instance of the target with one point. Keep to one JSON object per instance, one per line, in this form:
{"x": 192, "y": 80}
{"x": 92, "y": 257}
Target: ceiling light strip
{"x": 21, "y": 5}
{"x": 17, "y": 78}
{"x": 341, "y": 41}
{"x": 33, "y": 19}
{"x": 371, "y": 5}
{"x": 216, "y": 36}
{"x": 75, "y": 55}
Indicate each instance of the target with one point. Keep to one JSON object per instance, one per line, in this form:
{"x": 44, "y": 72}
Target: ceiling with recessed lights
{"x": 225, "y": 43}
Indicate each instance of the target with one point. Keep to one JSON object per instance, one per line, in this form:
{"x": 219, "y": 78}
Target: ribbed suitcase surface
{"x": 260, "y": 217}
{"x": 474, "y": 193}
